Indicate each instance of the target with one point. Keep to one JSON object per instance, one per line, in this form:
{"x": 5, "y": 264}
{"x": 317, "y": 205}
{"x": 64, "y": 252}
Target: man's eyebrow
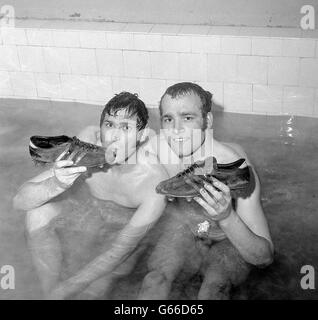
{"x": 188, "y": 113}
{"x": 126, "y": 122}
{"x": 167, "y": 114}
{"x": 165, "y": 117}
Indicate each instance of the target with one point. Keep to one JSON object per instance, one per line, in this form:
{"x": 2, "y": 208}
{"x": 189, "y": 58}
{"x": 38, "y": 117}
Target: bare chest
{"x": 120, "y": 189}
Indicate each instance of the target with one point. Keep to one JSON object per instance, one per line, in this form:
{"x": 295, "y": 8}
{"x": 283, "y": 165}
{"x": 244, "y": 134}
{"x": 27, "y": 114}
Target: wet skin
{"x": 113, "y": 185}
{"x": 245, "y": 227}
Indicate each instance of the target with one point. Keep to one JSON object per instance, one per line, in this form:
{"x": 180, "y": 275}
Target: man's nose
{"x": 178, "y": 126}
{"x": 115, "y": 135}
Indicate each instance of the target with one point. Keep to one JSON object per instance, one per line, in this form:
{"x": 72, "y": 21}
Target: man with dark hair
{"x": 133, "y": 106}
{"x": 184, "y": 88}
{"x": 100, "y": 207}
{"x": 215, "y": 235}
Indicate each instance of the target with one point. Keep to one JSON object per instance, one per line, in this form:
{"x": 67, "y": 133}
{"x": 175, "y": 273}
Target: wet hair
{"x": 184, "y": 88}
{"x": 132, "y": 105}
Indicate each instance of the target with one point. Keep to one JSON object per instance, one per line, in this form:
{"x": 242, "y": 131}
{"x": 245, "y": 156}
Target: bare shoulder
{"x": 148, "y": 159}
{"x": 90, "y": 134}
{"x": 250, "y": 209}
{"x": 151, "y": 170}
{"x": 230, "y": 152}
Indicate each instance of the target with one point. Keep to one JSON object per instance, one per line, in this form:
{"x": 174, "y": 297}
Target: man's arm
{"x": 50, "y": 183}
{"x": 46, "y": 186}
{"x": 125, "y": 243}
{"x": 246, "y": 227}
{"x": 245, "y": 207}
{"x": 248, "y": 230}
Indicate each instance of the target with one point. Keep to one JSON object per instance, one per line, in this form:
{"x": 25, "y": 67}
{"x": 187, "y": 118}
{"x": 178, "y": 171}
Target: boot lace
{"x": 85, "y": 145}
{"x": 189, "y": 170}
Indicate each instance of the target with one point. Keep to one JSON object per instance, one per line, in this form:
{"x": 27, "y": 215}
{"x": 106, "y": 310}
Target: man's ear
{"x": 209, "y": 120}
{"x": 143, "y": 134}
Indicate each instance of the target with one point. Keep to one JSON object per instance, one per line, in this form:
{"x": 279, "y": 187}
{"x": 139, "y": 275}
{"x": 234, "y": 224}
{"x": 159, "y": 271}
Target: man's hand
{"x": 66, "y": 175}
{"x": 218, "y": 204}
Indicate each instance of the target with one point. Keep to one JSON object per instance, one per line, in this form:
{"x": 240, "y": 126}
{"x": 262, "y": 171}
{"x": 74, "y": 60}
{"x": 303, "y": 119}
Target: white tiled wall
{"x": 250, "y": 70}
{"x": 5, "y": 85}
{"x": 164, "y": 65}
{"x": 110, "y": 62}
{"x": 137, "y": 64}
{"x": 283, "y": 71}
{"x": 48, "y": 85}
{"x": 238, "y": 97}
{"x": 267, "y": 99}
{"x": 193, "y": 66}
{"x": 222, "y": 67}
{"x": 236, "y": 45}
{"x": 270, "y": 47}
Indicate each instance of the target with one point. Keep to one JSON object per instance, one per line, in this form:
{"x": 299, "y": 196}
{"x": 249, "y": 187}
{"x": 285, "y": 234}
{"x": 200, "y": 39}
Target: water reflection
{"x": 288, "y": 133}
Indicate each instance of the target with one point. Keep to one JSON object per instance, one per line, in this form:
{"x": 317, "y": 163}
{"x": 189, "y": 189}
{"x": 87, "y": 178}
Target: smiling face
{"x": 119, "y": 132}
{"x": 183, "y": 123}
